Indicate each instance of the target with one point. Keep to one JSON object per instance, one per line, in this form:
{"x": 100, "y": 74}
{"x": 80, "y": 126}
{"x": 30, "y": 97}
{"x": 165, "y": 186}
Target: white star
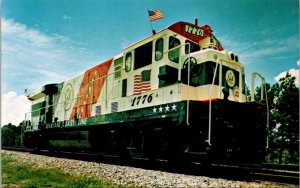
{"x": 167, "y": 108}
{"x": 174, "y": 107}
{"x": 160, "y": 109}
{"x": 154, "y": 110}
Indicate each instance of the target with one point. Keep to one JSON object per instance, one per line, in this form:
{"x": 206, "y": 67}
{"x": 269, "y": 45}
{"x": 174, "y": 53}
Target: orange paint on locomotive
{"x": 94, "y": 80}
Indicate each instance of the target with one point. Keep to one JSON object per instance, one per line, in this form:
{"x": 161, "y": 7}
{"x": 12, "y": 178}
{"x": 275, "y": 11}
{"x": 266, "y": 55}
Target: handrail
{"x": 210, "y": 93}
{"x": 122, "y": 68}
{"x": 252, "y": 85}
{"x": 72, "y": 99}
{"x": 179, "y": 74}
{"x": 263, "y": 89}
{"x": 179, "y": 59}
{"x": 209, "y": 46}
{"x": 188, "y": 101}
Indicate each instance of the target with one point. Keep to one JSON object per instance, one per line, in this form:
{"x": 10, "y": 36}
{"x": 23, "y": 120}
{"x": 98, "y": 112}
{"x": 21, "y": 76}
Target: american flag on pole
{"x": 155, "y": 14}
{"x": 142, "y": 82}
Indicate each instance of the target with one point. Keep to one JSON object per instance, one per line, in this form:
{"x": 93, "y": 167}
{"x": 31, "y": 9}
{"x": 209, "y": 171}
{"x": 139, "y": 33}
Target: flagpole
{"x": 153, "y": 31}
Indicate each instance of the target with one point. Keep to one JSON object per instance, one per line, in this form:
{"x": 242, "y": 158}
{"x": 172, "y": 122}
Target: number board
{"x": 141, "y": 100}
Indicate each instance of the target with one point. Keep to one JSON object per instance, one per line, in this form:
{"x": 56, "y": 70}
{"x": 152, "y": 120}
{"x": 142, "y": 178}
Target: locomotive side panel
{"x": 66, "y": 99}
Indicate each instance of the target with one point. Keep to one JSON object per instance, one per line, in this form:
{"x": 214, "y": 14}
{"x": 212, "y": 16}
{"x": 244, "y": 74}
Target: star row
{"x": 164, "y": 109}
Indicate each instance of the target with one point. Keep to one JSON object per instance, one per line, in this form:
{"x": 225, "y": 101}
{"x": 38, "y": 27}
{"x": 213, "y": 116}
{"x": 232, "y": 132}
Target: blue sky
{"x": 45, "y": 41}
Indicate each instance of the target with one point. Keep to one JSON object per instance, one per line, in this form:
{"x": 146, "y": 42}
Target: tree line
{"x": 11, "y": 135}
{"x": 283, "y": 100}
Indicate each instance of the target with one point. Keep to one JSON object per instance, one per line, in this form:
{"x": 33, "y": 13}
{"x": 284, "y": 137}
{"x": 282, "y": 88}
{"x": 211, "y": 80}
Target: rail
{"x": 90, "y": 85}
{"x": 52, "y": 105}
{"x": 210, "y": 93}
{"x": 262, "y": 90}
{"x": 239, "y": 172}
{"x": 179, "y": 74}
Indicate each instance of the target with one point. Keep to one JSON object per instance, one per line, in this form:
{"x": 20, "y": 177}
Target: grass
{"x": 27, "y": 176}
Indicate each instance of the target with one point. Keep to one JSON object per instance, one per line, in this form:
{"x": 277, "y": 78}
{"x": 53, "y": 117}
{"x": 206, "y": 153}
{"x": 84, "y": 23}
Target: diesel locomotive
{"x": 174, "y": 94}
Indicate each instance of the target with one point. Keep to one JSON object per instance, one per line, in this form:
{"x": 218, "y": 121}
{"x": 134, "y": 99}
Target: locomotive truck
{"x": 176, "y": 93}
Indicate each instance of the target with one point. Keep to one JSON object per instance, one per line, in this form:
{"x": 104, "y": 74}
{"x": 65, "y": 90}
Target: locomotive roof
{"x": 191, "y": 31}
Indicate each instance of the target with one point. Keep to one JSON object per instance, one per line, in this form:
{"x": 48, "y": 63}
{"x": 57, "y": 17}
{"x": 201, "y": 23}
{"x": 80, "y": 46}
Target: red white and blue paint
{"x": 176, "y": 77}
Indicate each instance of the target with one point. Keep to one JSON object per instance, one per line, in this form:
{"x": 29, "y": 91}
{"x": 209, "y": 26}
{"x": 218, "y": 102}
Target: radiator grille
{"x": 114, "y": 106}
{"x": 98, "y": 110}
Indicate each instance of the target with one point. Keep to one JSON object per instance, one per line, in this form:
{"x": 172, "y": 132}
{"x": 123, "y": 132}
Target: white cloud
{"x": 257, "y": 50}
{"x": 31, "y": 58}
{"x": 293, "y": 72}
{"x": 22, "y": 32}
{"x": 51, "y": 74}
{"x": 13, "y": 108}
{"x": 265, "y": 51}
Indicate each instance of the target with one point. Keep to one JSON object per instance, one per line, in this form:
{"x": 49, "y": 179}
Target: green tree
{"x": 11, "y": 135}
{"x": 247, "y": 92}
{"x": 286, "y": 116}
{"x": 283, "y": 99}
{"x": 8, "y": 135}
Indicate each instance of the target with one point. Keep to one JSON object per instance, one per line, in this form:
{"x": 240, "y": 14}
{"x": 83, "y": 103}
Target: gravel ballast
{"x": 123, "y": 175}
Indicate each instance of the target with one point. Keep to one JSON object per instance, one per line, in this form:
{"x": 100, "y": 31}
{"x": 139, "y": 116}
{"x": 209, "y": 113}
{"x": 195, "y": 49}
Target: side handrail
{"x": 189, "y": 70}
{"x": 179, "y": 58}
{"x": 122, "y": 68}
{"x": 263, "y": 90}
{"x": 179, "y": 73}
{"x": 210, "y": 93}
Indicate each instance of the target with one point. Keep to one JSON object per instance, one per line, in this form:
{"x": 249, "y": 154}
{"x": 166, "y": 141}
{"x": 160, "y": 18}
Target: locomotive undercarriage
{"x": 235, "y": 135}
{"x": 237, "y": 131}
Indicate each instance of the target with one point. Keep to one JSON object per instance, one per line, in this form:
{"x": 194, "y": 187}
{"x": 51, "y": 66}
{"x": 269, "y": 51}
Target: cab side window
{"x": 159, "y": 47}
{"x": 128, "y": 61}
{"x": 143, "y": 56}
{"x": 174, "y": 54}
{"x": 194, "y": 47}
{"x": 118, "y": 63}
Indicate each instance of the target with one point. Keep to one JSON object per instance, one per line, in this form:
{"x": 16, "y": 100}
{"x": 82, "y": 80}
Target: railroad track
{"x": 245, "y": 172}
{"x": 285, "y": 176}
{"x": 263, "y": 172}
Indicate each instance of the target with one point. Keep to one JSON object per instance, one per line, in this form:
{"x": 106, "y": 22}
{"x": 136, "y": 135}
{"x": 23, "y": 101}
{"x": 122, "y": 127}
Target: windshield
{"x": 202, "y": 74}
